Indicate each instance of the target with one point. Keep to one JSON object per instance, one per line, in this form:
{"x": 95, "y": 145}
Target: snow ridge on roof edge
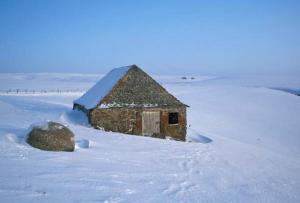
{"x": 96, "y": 93}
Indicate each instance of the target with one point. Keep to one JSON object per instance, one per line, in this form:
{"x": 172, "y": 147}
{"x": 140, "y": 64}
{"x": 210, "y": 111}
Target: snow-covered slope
{"x": 245, "y": 147}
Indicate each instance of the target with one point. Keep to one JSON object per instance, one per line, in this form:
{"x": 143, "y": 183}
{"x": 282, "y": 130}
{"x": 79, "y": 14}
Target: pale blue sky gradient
{"x": 168, "y": 37}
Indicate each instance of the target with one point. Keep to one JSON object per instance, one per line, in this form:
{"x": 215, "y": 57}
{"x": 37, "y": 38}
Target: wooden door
{"x": 150, "y": 123}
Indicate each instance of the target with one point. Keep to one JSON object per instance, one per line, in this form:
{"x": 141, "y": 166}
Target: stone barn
{"x": 128, "y": 100}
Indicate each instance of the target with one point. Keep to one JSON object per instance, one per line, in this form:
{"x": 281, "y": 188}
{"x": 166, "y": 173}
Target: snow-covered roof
{"x": 94, "y": 95}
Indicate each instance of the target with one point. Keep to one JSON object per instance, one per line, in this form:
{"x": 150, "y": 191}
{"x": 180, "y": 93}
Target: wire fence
{"x": 41, "y": 91}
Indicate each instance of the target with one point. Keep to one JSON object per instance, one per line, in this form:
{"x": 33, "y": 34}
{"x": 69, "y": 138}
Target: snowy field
{"x": 244, "y": 144}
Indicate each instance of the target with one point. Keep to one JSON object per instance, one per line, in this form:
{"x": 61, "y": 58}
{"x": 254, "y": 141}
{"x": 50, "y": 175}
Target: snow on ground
{"x": 244, "y": 146}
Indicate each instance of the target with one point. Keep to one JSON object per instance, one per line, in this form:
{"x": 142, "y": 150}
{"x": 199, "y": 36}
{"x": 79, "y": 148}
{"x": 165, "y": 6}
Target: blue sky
{"x": 169, "y": 37}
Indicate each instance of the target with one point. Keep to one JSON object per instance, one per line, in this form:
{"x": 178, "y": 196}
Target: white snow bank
{"x": 254, "y": 155}
{"x": 194, "y": 136}
{"x": 91, "y": 98}
{"x": 41, "y": 124}
{"x": 74, "y": 117}
{"x": 82, "y": 144}
{"x": 44, "y": 125}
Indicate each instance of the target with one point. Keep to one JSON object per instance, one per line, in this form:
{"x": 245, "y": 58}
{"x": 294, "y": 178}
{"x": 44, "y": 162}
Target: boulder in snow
{"x": 51, "y": 136}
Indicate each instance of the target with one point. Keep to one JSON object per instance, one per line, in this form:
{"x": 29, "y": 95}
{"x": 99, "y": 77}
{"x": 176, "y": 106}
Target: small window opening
{"x": 173, "y": 118}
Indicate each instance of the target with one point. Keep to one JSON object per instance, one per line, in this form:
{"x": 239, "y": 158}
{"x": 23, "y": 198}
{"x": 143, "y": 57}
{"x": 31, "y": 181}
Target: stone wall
{"x": 129, "y": 121}
{"x": 176, "y": 131}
